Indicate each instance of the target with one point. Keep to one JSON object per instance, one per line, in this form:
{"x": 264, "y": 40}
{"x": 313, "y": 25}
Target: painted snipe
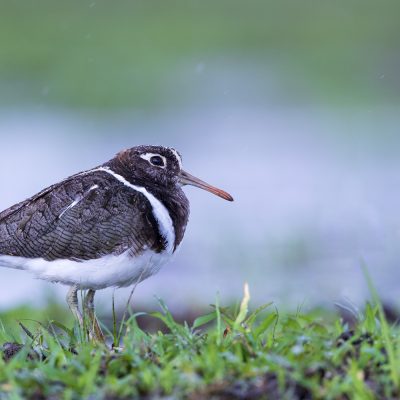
{"x": 110, "y": 226}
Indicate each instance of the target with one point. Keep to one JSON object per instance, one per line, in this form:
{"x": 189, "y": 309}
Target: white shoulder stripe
{"x": 73, "y": 204}
{"x": 77, "y": 200}
{"x": 160, "y": 212}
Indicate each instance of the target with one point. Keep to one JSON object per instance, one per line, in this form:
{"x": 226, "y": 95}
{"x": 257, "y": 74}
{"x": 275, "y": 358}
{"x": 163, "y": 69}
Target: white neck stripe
{"x": 160, "y": 212}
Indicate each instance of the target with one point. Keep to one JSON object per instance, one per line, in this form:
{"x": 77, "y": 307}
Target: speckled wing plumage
{"x": 84, "y": 217}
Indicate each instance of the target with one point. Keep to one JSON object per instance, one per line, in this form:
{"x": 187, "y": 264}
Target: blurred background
{"x": 291, "y": 106}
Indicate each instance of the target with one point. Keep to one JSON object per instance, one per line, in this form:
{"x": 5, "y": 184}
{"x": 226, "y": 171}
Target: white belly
{"x": 108, "y": 271}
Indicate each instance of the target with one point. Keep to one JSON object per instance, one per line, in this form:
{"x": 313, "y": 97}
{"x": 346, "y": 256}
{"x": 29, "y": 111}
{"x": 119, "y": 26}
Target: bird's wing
{"x": 84, "y": 217}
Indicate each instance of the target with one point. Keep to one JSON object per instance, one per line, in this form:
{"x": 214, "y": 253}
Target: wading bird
{"x": 110, "y": 226}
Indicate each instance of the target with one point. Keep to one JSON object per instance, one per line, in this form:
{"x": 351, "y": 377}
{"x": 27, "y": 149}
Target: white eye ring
{"x": 148, "y": 156}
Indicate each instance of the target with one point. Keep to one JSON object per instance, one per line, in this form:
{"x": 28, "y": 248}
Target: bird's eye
{"x": 157, "y": 161}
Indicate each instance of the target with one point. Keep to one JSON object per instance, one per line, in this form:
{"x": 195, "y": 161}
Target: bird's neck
{"x": 177, "y": 205}
{"x": 172, "y": 197}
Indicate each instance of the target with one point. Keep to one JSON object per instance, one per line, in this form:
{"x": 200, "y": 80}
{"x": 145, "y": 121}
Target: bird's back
{"x": 84, "y": 217}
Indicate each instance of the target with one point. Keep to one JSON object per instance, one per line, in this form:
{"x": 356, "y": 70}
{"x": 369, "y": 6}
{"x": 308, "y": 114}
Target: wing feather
{"x": 84, "y": 217}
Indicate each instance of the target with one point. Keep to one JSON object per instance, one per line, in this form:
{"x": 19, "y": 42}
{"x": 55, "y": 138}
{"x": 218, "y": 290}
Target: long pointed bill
{"x": 186, "y": 179}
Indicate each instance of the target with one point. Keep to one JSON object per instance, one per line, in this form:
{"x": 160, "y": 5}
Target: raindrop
{"x": 200, "y": 68}
{"x": 45, "y": 90}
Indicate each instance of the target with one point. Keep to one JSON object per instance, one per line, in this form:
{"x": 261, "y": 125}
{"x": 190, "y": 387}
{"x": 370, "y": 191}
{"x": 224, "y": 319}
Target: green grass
{"x": 230, "y": 352}
{"x": 110, "y": 55}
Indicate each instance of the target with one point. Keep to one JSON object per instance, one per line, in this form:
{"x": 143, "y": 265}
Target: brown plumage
{"x": 109, "y": 226}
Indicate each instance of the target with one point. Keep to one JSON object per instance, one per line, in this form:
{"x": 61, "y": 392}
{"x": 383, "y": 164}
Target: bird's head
{"x": 160, "y": 166}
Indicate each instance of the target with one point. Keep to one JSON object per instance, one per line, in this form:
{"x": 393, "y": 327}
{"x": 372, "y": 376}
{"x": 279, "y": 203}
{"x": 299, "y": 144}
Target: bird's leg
{"x": 72, "y": 300}
{"x": 94, "y": 327}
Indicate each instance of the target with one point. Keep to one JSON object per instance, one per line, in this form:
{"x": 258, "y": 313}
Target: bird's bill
{"x": 186, "y": 179}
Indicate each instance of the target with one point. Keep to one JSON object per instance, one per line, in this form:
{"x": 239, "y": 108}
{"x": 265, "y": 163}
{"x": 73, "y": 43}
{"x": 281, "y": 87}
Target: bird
{"x": 110, "y": 226}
